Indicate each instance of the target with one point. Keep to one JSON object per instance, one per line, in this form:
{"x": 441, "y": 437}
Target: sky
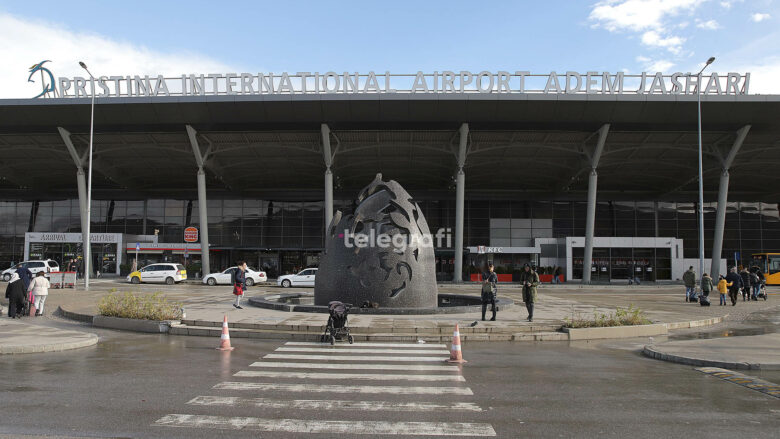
{"x": 176, "y": 37}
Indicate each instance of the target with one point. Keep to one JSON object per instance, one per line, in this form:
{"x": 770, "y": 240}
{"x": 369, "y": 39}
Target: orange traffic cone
{"x": 456, "y": 355}
{"x": 224, "y": 339}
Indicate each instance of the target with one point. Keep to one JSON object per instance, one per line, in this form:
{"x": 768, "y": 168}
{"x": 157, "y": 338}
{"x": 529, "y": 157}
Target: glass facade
{"x": 289, "y": 234}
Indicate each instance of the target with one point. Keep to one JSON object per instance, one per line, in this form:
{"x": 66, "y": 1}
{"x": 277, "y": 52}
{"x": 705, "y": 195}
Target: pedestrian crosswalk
{"x": 360, "y": 389}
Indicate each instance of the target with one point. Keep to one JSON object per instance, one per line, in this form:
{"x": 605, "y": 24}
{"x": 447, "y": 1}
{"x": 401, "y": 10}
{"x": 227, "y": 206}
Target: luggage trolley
{"x": 62, "y": 279}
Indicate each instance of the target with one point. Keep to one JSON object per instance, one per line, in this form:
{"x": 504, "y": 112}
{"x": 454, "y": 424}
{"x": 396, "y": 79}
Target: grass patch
{"x": 140, "y": 306}
{"x": 621, "y": 317}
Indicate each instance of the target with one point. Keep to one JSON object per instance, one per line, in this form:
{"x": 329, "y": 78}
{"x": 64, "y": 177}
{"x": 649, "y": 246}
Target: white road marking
{"x": 343, "y": 389}
{"x": 405, "y": 367}
{"x": 347, "y": 376}
{"x": 315, "y": 404}
{"x": 336, "y": 357}
{"x": 326, "y": 426}
{"x": 370, "y": 345}
{"x": 330, "y": 349}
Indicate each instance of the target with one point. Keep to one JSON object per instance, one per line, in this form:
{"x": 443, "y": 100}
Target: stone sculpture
{"x": 382, "y": 253}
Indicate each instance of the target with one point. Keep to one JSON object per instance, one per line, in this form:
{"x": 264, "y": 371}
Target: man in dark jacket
{"x": 746, "y": 284}
{"x": 489, "y": 290}
{"x": 530, "y": 281}
{"x": 736, "y": 284}
{"x": 25, "y": 275}
{"x": 16, "y": 295}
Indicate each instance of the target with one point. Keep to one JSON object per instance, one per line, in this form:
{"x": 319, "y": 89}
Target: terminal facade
{"x": 565, "y": 180}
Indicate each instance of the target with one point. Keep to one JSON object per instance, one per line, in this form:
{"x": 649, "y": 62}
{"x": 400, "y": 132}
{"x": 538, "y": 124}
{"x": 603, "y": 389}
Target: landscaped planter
{"x": 616, "y": 332}
{"x": 153, "y": 326}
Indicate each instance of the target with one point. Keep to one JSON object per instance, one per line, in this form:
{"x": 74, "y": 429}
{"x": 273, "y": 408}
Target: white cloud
{"x": 651, "y": 65}
{"x": 726, "y": 5}
{"x": 638, "y": 15}
{"x": 650, "y": 17}
{"x": 654, "y": 39}
{"x": 27, "y": 42}
{"x": 709, "y": 24}
{"x": 763, "y": 76}
{"x": 758, "y": 17}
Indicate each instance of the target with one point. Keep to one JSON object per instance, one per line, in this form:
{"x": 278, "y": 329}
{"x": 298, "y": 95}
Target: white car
{"x": 226, "y": 277}
{"x": 47, "y": 266}
{"x": 163, "y": 272}
{"x": 303, "y": 279}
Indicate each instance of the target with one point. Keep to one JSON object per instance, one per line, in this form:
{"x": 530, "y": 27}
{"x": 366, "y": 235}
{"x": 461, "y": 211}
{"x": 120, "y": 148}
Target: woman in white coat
{"x": 40, "y": 289}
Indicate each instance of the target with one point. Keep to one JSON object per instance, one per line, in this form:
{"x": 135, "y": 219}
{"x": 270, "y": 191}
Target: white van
{"x": 35, "y": 266}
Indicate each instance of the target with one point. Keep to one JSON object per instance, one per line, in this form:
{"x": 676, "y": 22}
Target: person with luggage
{"x": 735, "y": 285}
{"x": 530, "y": 281}
{"x": 723, "y": 289}
{"x": 689, "y": 279}
{"x": 15, "y": 293}
{"x": 39, "y": 287}
{"x": 489, "y": 290}
{"x": 706, "y": 288}
{"x": 745, "y": 283}
{"x": 239, "y": 283}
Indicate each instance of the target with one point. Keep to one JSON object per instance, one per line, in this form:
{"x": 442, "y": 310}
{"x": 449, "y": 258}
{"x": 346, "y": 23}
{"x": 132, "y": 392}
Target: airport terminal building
{"x": 593, "y": 173}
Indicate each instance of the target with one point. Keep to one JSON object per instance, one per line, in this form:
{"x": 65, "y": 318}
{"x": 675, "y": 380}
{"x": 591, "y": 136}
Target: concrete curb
{"x": 70, "y": 315}
{"x": 653, "y": 352}
{"x": 135, "y": 325}
{"x": 696, "y": 323}
{"x": 91, "y": 340}
{"x": 616, "y": 332}
{"x": 302, "y": 332}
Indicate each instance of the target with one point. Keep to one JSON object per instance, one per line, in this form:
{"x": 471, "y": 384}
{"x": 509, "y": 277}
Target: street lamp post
{"x": 701, "y": 174}
{"x": 86, "y": 233}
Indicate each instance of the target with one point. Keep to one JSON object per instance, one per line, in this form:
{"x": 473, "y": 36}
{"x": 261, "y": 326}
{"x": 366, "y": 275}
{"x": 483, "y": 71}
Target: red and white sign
{"x": 191, "y": 234}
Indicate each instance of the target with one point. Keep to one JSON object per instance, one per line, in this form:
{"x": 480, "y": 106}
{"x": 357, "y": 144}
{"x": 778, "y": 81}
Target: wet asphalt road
{"x": 551, "y": 389}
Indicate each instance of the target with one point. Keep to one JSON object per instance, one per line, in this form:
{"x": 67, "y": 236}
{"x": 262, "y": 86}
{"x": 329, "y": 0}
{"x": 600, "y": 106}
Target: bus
{"x": 769, "y": 263}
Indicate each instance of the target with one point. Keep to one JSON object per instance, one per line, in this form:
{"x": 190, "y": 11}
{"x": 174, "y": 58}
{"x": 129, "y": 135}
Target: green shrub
{"x": 140, "y": 306}
{"x": 621, "y": 317}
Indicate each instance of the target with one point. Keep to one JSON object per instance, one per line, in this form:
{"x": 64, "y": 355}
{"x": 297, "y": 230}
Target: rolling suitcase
{"x": 704, "y": 300}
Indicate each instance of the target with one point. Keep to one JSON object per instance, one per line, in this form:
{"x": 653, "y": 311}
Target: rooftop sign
{"x": 445, "y": 82}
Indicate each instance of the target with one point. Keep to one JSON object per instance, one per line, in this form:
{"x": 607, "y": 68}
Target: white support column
{"x": 460, "y": 191}
{"x": 723, "y": 191}
{"x": 81, "y": 184}
{"x": 590, "y": 219}
{"x": 327, "y": 155}
{"x": 202, "y": 202}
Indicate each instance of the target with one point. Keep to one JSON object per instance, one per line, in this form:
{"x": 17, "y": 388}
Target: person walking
{"x": 735, "y": 284}
{"x": 706, "y": 285}
{"x": 557, "y": 275}
{"x": 755, "y": 283}
{"x": 16, "y": 296}
{"x": 723, "y": 288}
{"x": 745, "y": 283}
{"x": 25, "y": 275}
{"x": 530, "y": 281}
{"x": 39, "y": 287}
{"x": 489, "y": 291}
{"x": 689, "y": 279}
{"x": 239, "y": 283}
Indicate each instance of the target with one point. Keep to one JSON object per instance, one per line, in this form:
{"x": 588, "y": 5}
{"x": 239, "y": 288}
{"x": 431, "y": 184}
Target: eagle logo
{"x": 46, "y": 88}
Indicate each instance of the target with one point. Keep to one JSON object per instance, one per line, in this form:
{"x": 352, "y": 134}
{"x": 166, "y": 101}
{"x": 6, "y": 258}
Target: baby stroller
{"x": 337, "y": 328}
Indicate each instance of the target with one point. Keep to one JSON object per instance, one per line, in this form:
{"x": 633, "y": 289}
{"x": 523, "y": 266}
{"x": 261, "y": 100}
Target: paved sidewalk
{"x": 749, "y": 352}
{"x": 20, "y": 337}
